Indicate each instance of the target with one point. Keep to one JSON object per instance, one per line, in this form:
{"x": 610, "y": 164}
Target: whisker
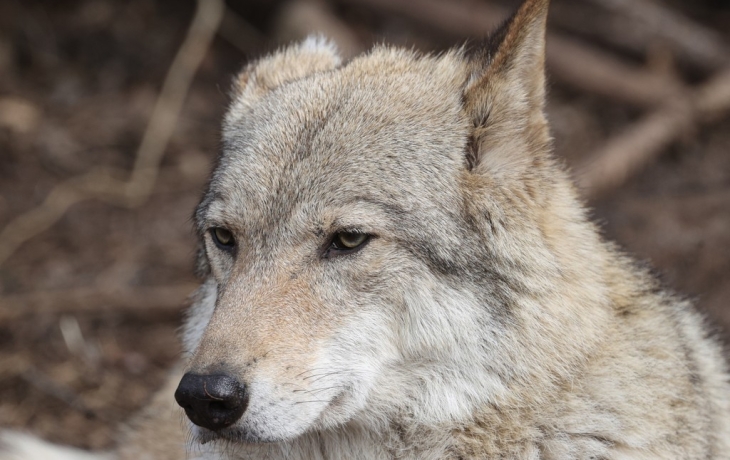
{"x": 318, "y": 377}
{"x": 312, "y": 401}
{"x": 317, "y": 390}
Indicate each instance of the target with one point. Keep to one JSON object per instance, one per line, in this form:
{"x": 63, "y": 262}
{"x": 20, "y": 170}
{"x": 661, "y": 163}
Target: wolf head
{"x": 388, "y": 237}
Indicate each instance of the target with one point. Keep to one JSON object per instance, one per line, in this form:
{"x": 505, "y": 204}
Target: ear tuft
{"x": 505, "y": 92}
{"x": 314, "y": 54}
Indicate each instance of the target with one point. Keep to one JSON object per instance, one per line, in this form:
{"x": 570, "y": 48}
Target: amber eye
{"x": 348, "y": 241}
{"x": 222, "y": 237}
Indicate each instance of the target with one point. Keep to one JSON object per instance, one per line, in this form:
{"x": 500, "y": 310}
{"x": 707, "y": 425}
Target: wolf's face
{"x": 358, "y": 257}
{"x": 339, "y": 201}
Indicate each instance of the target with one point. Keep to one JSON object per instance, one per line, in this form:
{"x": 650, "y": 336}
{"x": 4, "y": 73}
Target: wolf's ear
{"x": 505, "y": 94}
{"x": 314, "y": 54}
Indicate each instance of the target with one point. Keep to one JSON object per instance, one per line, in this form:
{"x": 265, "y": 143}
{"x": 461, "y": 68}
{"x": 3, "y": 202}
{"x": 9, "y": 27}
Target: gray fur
{"x": 485, "y": 317}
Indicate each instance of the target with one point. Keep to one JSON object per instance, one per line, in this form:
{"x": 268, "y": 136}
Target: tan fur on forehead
{"x": 298, "y": 127}
{"x": 315, "y": 54}
{"x": 386, "y": 59}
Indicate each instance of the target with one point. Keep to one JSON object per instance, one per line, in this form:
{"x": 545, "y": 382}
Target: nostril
{"x": 185, "y": 406}
{"x": 212, "y": 401}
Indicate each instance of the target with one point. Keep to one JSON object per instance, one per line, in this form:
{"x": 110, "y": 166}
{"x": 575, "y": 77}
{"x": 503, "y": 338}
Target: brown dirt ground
{"x": 87, "y": 73}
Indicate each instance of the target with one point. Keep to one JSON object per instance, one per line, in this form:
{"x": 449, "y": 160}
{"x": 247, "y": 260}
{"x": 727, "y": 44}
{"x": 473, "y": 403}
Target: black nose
{"x": 211, "y": 401}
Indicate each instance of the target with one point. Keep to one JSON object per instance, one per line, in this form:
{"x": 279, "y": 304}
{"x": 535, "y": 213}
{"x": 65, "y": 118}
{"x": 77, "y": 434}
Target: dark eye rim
{"x": 224, "y": 246}
{"x": 332, "y": 250}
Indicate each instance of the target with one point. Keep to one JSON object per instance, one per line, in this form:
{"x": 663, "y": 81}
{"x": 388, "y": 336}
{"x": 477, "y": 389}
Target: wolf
{"x": 395, "y": 266}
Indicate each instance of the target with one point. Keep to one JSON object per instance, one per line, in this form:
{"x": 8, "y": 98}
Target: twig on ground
{"x": 77, "y": 344}
{"x": 626, "y": 153}
{"x": 102, "y": 183}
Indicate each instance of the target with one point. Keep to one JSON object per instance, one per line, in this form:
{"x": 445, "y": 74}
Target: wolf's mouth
{"x": 204, "y": 436}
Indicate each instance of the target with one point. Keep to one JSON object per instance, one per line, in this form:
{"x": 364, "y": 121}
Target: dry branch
{"x": 300, "y": 18}
{"x": 581, "y": 66}
{"x": 637, "y": 24}
{"x": 642, "y": 142}
{"x": 240, "y": 33}
{"x": 596, "y": 72}
{"x": 169, "y": 104}
{"x": 102, "y": 183}
{"x": 456, "y": 17}
{"x": 160, "y": 300}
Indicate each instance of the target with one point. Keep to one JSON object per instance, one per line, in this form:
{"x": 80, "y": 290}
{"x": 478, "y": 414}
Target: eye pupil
{"x": 223, "y": 237}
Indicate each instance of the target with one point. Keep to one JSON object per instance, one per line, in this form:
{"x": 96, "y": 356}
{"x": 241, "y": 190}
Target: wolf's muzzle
{"x": 212, "y": 401}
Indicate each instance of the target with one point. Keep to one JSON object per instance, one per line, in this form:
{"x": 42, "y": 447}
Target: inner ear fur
{"x": 505, "y": 94}
{"x": 314, "y": 54}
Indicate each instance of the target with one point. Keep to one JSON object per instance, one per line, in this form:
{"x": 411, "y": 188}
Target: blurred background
{"x": 94, "y": 277}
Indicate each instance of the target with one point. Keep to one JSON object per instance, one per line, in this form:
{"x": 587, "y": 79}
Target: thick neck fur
{"x": 552, "y": 309}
